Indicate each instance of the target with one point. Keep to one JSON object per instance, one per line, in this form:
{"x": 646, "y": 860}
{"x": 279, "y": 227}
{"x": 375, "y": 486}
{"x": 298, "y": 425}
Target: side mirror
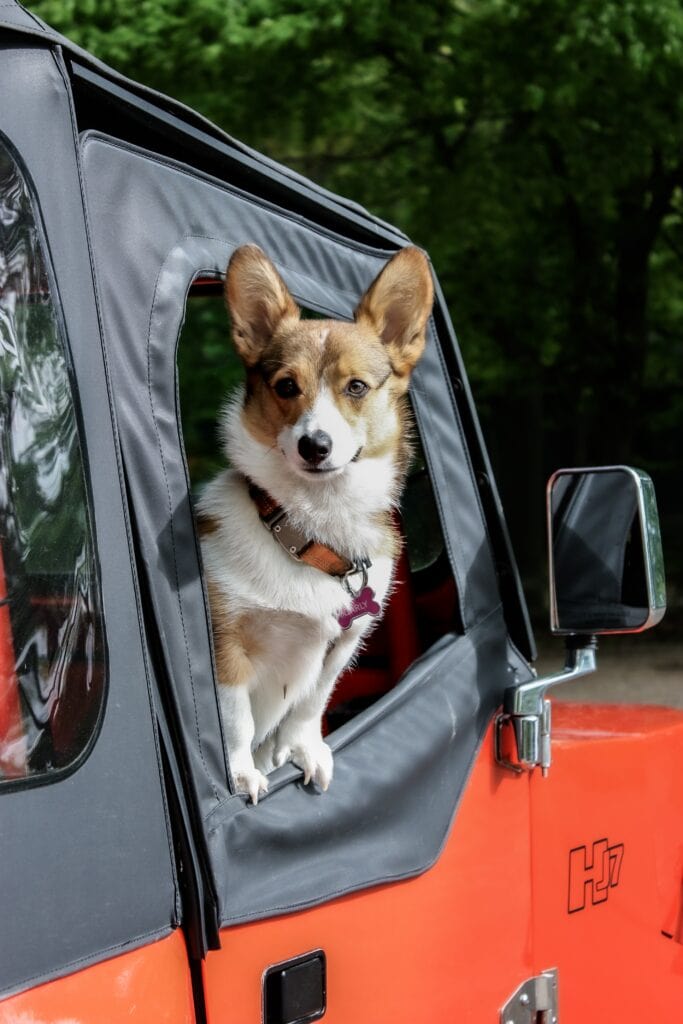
{"x": 605, "y": 552}
{"x": 606, "y": 576}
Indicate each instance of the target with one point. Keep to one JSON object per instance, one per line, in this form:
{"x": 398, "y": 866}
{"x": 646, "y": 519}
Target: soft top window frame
{"x": 51, "y": 776}
{"x": 174, "y": 225}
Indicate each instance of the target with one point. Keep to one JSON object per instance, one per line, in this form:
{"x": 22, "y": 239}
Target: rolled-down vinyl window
{"x": 51, "y": 640}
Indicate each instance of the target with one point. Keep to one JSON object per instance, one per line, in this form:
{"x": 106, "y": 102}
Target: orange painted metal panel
{"x": 607, "y": 857}
{"x": 449, "y": 945}
{"x": 582, "y": 871}
{"x": 150, "y": 985}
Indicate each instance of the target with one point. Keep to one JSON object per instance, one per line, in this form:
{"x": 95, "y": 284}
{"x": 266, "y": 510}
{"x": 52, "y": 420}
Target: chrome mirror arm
{"x": 527, "y": 709}
{"x": 527, "y": 699}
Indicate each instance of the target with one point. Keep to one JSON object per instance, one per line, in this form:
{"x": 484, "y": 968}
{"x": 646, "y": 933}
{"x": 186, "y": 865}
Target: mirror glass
{"x": 606, "y": 564}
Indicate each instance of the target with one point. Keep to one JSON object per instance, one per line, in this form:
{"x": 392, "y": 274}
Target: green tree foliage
{"x": 535, "y": 147}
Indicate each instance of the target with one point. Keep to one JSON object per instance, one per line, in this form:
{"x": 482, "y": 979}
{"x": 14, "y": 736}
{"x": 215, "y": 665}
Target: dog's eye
{"x": 356, "y": 388}
{"x": 287, "y": 387}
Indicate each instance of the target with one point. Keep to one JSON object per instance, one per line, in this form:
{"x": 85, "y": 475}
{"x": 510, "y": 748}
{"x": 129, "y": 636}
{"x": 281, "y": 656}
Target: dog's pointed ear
{"x": 397, "y": 304}
{"x": 257, "y": 299}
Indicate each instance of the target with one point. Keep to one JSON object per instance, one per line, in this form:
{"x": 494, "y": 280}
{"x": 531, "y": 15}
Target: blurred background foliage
{"x": 534, "y": 147}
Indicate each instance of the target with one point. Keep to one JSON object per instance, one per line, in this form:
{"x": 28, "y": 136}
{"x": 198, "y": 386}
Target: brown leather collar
{"x": 295, "y": 543}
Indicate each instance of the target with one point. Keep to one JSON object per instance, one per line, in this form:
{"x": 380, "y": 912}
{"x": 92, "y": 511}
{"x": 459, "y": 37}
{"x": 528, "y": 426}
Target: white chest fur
{"x": 295, "y": 606}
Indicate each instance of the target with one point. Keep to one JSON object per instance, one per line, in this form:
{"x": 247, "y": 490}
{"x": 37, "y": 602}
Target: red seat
{"x": 392, "y": 647}
{"x": 12, "y": 736}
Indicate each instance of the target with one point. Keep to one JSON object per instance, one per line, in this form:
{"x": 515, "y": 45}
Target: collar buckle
{"x": 285, "y": 534}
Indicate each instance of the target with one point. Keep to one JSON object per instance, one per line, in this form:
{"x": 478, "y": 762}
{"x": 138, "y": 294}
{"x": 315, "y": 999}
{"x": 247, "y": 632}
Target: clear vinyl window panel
{"x": 51, "y": 641}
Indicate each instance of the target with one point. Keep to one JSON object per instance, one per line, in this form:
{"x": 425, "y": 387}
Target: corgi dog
{"x": 297, "y": 537}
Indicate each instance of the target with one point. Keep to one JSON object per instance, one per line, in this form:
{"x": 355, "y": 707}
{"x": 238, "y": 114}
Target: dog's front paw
{"x": 312, "y": 755}
{"x": 249, "y": 781}
{"x": 264, "y": 755}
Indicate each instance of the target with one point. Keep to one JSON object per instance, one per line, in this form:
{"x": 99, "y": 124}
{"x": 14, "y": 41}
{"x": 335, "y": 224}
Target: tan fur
{"x": 395, "y": 305}
{"x": 258, "y": 300}
{"x": 235, "y": 640}
{"x": 392, "y": 539}
{"x": 206, "y": 526}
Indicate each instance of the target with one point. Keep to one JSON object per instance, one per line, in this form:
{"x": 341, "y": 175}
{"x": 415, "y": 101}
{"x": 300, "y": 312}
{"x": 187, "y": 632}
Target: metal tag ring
{"x": 354, "y": 572}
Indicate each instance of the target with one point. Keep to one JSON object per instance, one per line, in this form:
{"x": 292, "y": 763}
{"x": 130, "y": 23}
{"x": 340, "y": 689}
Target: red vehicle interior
{"x": 12, "y": 737}
{"x": 413, "y": 619}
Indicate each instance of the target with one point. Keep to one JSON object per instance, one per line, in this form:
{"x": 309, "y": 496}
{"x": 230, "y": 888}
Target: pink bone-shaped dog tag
{"x": 363, "y": 604}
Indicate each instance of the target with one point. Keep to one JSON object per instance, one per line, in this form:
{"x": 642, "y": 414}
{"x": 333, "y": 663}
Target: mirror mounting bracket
{"x": 527, "y": 709}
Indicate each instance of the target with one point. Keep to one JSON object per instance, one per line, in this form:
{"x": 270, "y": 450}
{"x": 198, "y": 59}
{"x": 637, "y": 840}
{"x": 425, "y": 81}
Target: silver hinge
{"x": 527, "y": 711}
{"x": 534, "y": 1002}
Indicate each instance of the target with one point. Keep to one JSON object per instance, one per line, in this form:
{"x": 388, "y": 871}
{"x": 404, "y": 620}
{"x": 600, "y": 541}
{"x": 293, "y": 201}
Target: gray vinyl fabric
{"x": 86, "y": 861}
{"x": 15, "y": 17}
{"x": 400, "y": 768}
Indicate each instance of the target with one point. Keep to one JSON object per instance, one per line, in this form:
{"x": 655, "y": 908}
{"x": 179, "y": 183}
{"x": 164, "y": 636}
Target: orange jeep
{"x": 443, "y": 877}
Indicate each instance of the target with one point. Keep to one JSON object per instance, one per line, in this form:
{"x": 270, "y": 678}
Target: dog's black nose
{"x": 316, "y": 447}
